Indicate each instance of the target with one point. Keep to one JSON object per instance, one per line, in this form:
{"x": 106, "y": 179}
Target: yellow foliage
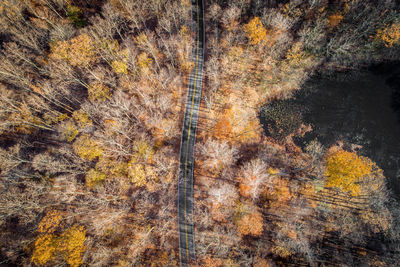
{"x": 69, "y": 131}
{"x": 137, "y": 174}
{"x": 87, "y": 148}
{"x": 389, "y": 35}
{"x": 120, "y": 67}
{"x": 345, "y": 170}
{"x": 94, "y": 178}
{"x": 111, "y": 45}
{"x": 143, "y": 175}
{"x": 144, "y": 61}
{"x": 79, "y": 51}
{"x": 185, "y": 3}
{"x": 255, "y": 31}
{"x": 334, "y": 19}
{"x": 24, "y": 120}
{"x": 81, "y": 118}
{"x": 290, "y": 11}
{"x": 296, "y": 54}
{"x": 69, "y": 245}
{"x": 112, "y": 167}
{"x": 185, "y": 32}
{"x": 141, "y": 39}
{"x": 273, "y": 171}
{"x": 124, "y": 54}
{"x": 281, "y": 251}
{"x": 45, "y": 248}
{"x": 50, "y": 222}
{"x": 52, "y": 117}
{"x": 142, "y": 150}
{"x": 72, "y": 245}
{"x": 98, "y": 91}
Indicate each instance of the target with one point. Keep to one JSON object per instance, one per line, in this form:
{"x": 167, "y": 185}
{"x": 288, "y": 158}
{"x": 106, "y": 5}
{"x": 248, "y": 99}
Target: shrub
{"x": 75, "y": 15}
{"x": 280, "y": 119}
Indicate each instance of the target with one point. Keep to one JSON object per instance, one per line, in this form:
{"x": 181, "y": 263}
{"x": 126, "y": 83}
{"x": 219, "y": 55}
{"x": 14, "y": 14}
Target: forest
{"x": 92, "y": 97}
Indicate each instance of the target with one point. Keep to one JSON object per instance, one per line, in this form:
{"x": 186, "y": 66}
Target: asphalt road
{"x": 186, "y": 160}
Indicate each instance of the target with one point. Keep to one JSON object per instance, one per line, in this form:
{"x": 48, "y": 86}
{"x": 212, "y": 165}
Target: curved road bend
{"x": 186, "y": 159}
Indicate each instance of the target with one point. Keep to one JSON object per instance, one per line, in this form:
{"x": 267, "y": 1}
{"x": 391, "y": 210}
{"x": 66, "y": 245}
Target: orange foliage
{"x": 280, "y": 194}
{"x": 390, "y": 35}
{"x": 79, "y": 51}
{"x": 259, "y": 262}
{"x": 223, "y": 127}
{"x": 217, "y": 212}
{"x": 212, "y": 262}
{"x": 250, "y": 223}
{"x": 334, "y": 19}
{"x": 50, "y": 222}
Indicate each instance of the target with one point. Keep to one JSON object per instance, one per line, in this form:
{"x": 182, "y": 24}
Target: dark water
{"x": 361, "y": 108}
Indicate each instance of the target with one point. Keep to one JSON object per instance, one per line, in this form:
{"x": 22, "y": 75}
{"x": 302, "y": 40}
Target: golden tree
{"x": 50, "y": 222}
{"x": 345, "y": 170}
{"x": 87, "y": 148}
{"x": 98, "y": 91}
{"x": 50, "y": 246}
{"x": 142, "y": 151}
{"x": 45, "y": 249}
{"x": 144, "y": 61}
{"x": 296, "y": 54}
{"x": 81, "y": 118}
{"x": 79, "y": 51}
{"x": 389, "y": 35}
{"x": 94, "y": 177}
{"x": 120, "y": 67}
{"x": 255, "y": 31}
{"x": 72, "y": 245}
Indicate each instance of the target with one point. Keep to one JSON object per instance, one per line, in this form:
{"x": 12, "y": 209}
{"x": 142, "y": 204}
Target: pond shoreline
{"x": 360, "y": 108}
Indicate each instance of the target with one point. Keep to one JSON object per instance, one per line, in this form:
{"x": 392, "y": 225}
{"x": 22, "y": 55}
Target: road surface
{"x": 186, "y": 160}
